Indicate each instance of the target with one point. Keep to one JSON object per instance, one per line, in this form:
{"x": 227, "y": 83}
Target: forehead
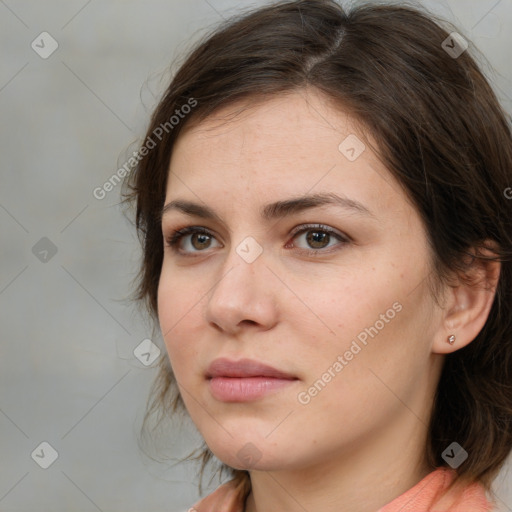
{"x": 285, "y": 145}
{"x": 302, "y": 113}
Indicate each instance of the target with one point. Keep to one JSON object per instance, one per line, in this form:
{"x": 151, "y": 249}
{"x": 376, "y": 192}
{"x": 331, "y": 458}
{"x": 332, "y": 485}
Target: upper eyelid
{"x": 320, "y": 227}
{"x": 300, "y": 229}
{"x": 294, "y": 231}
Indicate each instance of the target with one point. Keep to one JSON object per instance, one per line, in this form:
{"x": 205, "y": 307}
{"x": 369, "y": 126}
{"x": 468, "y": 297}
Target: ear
{"x": 467, "y": 303}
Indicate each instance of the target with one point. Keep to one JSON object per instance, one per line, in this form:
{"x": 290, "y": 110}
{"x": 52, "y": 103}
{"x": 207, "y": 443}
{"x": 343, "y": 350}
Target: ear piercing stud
{"x": 451, "y": 339}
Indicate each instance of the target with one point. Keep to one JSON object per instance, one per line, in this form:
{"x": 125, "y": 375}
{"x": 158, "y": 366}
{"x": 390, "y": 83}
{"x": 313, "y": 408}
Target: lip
{"x": 245, "y": 380}
{"x": 223, "y": 367}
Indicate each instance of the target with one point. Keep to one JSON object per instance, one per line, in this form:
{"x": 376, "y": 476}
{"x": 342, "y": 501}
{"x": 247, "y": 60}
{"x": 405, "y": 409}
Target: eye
{"x": 190, "y": 239}
{"x": 318, "y": 237}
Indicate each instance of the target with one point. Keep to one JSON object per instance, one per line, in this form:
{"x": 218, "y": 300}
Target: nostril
{"x": 250, "y": 322}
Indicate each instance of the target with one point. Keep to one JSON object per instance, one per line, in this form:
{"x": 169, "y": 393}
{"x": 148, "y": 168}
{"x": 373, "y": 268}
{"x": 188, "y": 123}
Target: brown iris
{"x": 316, "y": 239}
{"x": 203, "y": 241}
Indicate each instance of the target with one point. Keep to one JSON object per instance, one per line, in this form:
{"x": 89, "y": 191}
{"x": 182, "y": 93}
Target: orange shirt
{"x": 419, "y": 498}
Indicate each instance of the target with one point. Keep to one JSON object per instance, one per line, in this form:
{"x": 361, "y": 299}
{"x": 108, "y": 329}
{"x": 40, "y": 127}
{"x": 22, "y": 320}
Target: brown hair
{"x": 440, "y": 131}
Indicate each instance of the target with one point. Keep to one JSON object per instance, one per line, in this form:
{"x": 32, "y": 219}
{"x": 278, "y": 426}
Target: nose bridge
{"x": 241, "y": 272}
{"x": 246, "y": 257}
{"x": 241, "y": 291}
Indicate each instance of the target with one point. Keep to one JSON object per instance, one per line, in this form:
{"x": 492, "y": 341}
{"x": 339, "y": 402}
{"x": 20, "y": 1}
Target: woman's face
{"x": 331, "y": 291}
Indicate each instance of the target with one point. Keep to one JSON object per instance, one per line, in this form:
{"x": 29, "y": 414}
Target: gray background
{"x": 68, "y": 375}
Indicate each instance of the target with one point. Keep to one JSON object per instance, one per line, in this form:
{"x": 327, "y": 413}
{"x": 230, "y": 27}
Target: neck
{"x": 363, "y": 479}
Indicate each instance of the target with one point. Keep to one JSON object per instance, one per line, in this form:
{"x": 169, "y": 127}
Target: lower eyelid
{"x": 322, "y": 250}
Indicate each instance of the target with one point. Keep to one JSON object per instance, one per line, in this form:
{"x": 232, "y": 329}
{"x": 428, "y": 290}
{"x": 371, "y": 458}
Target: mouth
{"x": 245, "y": 380}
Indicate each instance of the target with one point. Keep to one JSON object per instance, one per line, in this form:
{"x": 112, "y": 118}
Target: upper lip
{"x": 244, "y": 368}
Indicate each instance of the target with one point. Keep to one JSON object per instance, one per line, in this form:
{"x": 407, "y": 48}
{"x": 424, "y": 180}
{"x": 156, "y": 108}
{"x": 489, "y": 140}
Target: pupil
{"x": 317, "y": 238}
{"x": 202, "y": 239}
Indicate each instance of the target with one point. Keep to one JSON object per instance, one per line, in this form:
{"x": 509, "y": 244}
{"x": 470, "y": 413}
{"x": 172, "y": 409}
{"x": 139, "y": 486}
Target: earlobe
{"x": 467, "y": 306}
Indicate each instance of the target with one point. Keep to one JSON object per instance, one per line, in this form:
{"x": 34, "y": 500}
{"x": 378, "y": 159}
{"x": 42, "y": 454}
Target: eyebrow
{"x": 276, "y": 210}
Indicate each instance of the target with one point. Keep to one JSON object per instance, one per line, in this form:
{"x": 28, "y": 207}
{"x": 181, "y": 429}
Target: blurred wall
{"x": 78, "y": 80}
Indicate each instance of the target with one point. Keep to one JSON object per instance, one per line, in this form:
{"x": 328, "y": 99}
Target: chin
{"x": 246, "y": 455}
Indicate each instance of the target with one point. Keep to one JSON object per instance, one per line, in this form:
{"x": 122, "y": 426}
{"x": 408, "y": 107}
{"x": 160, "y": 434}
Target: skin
{"x": 360, "y": 440}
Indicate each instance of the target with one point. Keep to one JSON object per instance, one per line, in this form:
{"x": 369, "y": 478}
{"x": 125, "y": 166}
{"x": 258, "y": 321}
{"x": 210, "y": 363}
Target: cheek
{"x": 179, "y": 298}
{"x": 377, "y": 318}
{"x": 334, "y": 310}
{"x": 178, "y": 315}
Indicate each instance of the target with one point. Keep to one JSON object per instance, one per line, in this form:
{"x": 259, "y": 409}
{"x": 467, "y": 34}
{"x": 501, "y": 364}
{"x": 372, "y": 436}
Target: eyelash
{"x": 175, "y": 237}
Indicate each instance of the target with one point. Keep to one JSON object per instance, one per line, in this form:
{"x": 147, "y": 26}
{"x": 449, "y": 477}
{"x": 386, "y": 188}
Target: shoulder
{"x": 430, "y": 495}
{"x": 226, "y": 498}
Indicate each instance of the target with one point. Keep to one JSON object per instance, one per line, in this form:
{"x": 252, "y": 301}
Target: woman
{"x": 327, "y": 249}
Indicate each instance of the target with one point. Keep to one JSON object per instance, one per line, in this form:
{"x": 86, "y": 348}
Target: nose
{"x": 242, "y": 296}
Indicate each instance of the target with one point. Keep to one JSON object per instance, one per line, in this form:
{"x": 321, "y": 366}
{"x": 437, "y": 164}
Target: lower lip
{"x": 235, "y": 389}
